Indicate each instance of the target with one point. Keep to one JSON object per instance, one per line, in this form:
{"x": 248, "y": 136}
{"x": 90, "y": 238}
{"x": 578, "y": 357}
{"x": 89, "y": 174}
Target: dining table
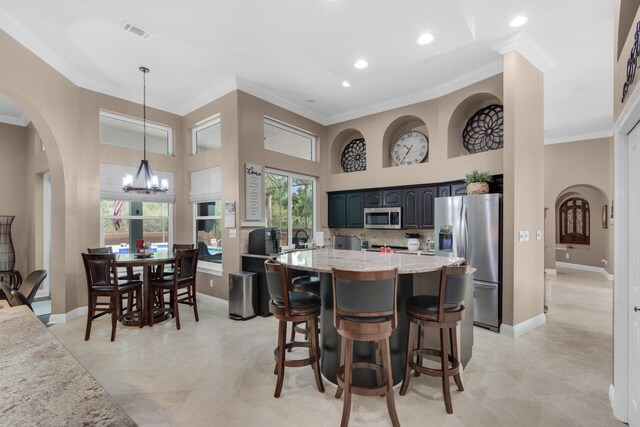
{"x": 410, "y": 272}
{"x": 150, "y": 264}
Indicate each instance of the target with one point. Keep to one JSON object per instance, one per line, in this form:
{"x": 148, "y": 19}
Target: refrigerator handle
{"x": 464, "y": 233}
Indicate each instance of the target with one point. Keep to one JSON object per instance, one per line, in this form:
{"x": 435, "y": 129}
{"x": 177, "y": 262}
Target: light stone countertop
{"x": 41, "y": 383}
{"x": 323, "y": 260}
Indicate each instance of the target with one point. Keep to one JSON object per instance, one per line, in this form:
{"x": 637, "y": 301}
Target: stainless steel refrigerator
{"x": 471, "y": 227}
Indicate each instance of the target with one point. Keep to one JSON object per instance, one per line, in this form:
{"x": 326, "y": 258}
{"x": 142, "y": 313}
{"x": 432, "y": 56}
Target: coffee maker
{"x": 264, "y": 241}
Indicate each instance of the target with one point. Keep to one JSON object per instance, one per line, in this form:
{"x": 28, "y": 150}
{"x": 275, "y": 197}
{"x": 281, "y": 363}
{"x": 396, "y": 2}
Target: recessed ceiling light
{"x": 425, "y": 39}
{"x": 518, "y": 21}
{"x": 346, "y": 84}
{"x": 361, "y": 64}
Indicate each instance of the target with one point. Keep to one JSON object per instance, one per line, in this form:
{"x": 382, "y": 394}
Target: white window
{"x": 128, "y": 132}
{"x": 124, "y": 222}
{"x": 206, "y": 195}
{"x": 290, "y": 204}
{"x": 289, "y": 140}
{"x": 206, "y": 136}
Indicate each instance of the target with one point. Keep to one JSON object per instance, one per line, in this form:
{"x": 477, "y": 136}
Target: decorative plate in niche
{"x": 485, "y": 130}
{"x": 354, "y": 156}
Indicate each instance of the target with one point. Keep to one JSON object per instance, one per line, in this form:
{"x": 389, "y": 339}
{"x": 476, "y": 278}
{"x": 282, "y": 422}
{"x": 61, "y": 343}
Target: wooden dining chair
{"x": 181, "y": 285}
{"x": 102, "y": 282}
{"x": 130, "y": 276}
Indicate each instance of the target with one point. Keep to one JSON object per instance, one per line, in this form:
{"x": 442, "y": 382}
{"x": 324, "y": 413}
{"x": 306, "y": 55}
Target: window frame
{"x": 136, "y": 121}
{"x": 295, "y": 130}
{"x": 205, "y": 266}
{"x": 169, "y": 218}
{"x": 291, "y": 176}
{"x": 211, "y": 121}
{"x": 577, "y": 237}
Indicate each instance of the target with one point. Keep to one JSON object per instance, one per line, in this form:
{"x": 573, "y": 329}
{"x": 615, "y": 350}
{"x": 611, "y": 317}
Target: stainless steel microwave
{"x": 388, "y": 218}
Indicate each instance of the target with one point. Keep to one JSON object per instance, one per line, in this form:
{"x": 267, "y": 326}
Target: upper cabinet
{"x": 346, "y": 210}
{"x": 338, "y": 210}
{"x": 392, "y": 198}
{"x": 355, "y": 210}
{"x": 373, "y": 199}
{"x": 418, "y": 207}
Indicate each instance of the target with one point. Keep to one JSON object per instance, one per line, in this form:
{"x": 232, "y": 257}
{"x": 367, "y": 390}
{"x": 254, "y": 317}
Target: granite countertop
{"x": 275, "y": 255}
{"x": 323, "y": 260}
{"x": 42, "y": 383}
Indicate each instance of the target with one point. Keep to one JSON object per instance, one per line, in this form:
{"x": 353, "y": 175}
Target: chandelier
{"x": 151, "y": 183}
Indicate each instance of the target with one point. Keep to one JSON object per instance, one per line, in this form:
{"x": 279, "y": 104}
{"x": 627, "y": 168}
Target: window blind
{"x": 206, "y": 185}
{"x": 111, "y": 185}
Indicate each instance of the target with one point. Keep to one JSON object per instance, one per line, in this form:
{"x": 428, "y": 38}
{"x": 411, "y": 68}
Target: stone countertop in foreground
{"x": 41, "y": 383}
{"x": 322, "y": 260}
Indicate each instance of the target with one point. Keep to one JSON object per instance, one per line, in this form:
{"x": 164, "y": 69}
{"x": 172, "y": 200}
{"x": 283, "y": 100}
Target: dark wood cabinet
{"x": 373, "y": 199}
{"x": 355, "y": 210}
{"x": 418, "y": 207}
{"x": 426, "y": 196}
{"x": 392, "y": 198}
{"x": 444, "y": 190}
{"x": 338, "y": 210}
{"x": 459, "y": 189}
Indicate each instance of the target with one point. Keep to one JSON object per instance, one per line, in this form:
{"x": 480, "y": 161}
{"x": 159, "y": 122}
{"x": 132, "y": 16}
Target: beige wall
{"x": 523, "y": 200}
{"x": 13, "y": 162}
{"x": 625, "y": 38}
{"x": 435, "y": 117}
{"x": 586, "y": 163}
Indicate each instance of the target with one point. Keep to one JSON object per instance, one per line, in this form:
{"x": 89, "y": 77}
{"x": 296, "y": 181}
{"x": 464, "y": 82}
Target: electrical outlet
{"x": 232, "y": 232}
{"x": 521, "y": 236}
{"x": 538, "y": 235}
{"x": 566, "y": 255}
{"x": 211, "y": 283}
{"x": 526, "y": 235}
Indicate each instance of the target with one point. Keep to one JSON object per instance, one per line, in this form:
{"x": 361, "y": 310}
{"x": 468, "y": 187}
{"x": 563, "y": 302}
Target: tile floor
{"x": 220, "y": 372}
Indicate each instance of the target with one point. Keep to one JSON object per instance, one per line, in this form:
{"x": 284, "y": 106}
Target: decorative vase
{"x": 478, "y": 188}
{"x": 7, "y": 253}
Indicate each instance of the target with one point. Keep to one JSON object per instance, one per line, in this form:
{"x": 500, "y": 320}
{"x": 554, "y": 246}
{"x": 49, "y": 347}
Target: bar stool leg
{"x": 418, "y": 345}
{"x": 444, "y": 347}
{"x": 386, "y": 356}
{"x": 409, "y": 358}
{"x": 454, "y": 352}
{"x": 348, "y": 371}
{"x": 312, "y": 328}
{"x": 282, "y": 336}
{"x": 343, "y": 348}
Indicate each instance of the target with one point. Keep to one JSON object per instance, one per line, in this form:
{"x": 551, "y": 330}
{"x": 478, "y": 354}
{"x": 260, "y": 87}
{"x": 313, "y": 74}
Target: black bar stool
{"x": 293, "y": 307}
{"x": 443, "y": 311}
{"x": 365, "y": 309}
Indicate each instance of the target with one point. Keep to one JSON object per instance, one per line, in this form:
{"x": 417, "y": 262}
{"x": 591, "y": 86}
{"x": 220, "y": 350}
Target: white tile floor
{"x": 220, "y": 372}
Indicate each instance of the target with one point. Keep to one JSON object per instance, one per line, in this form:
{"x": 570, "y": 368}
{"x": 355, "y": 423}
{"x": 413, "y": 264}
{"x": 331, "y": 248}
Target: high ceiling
{"x": 297, "y": 53}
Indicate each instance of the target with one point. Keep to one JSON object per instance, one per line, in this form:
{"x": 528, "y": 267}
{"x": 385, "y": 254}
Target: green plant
{"x": 477, "y": 176}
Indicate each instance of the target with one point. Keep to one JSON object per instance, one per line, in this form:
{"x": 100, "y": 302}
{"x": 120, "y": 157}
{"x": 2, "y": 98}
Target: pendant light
{"x": 151, "y": 182}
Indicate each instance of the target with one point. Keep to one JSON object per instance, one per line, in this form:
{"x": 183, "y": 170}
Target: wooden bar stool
{"x": 443, "y": 311}
{"x": 365, "y": 309}
{"x": 293, "y": 307}
{"x": 303, "y": 283}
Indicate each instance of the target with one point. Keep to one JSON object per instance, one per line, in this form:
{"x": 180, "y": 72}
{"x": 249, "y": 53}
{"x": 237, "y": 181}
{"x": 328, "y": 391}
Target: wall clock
{"x": 412, "y": 147}
{"x": 354, "y": 156}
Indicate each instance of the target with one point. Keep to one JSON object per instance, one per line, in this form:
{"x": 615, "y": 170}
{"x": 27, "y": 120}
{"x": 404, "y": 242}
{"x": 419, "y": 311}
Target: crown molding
{"x": 531, "y": 50}
{"x": 22, "y": 121}
{"x": 485, "y": 72}
{"x": 210, "y": 95}
{"x": 608, "y": 133}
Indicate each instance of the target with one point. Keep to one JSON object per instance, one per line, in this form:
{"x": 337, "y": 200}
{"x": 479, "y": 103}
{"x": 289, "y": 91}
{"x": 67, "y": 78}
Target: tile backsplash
{"x": 379, "y": 237}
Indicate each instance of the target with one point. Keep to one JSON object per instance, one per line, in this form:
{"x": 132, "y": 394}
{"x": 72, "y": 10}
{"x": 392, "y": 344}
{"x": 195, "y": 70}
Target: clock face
{"x": 410, "y": 148}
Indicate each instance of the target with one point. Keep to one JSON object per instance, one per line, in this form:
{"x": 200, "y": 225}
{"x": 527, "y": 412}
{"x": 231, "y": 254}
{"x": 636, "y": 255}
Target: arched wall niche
{"x": 395, "y": 130}
{"x": 459, "y": 118}
{"x": 337, "y": 146}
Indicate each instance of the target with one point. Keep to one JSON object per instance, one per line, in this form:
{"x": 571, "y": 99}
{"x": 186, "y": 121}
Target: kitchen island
{"x": 414, "y": 271}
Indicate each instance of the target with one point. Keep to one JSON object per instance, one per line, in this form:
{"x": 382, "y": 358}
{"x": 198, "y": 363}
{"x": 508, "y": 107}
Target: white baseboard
{"x": 551, "y": 271}
{"x": 67, "y": 317}
{"x": 523, "y": 327}
{"x": 590, "y": 268}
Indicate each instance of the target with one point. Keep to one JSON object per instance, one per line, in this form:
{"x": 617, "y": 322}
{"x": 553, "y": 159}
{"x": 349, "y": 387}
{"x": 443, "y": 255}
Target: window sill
{"x": 208, "y": 270}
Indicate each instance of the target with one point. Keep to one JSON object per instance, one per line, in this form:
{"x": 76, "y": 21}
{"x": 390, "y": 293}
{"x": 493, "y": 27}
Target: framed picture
{"x": 605, "y": 216}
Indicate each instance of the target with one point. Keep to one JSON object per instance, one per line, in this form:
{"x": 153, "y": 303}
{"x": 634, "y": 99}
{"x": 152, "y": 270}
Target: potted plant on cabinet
{"x": 478, "y": 182}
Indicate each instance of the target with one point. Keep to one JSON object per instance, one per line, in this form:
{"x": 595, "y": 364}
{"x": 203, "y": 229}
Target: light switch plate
{"x": 526, "y": 235}
{"x": 522, "y": 237}
{"x": 538, "y": 235}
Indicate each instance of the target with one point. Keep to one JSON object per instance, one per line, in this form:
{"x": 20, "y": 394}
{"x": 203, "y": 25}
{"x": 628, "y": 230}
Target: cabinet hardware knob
{"x": 636, "y": 309}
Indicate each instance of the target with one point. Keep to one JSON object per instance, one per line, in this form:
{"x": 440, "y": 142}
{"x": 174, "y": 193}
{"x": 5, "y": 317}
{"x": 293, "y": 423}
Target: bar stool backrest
{"x": 277, "y": 282}
{"x": 365, "y": 294}
{"x": 454, "y": 281}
